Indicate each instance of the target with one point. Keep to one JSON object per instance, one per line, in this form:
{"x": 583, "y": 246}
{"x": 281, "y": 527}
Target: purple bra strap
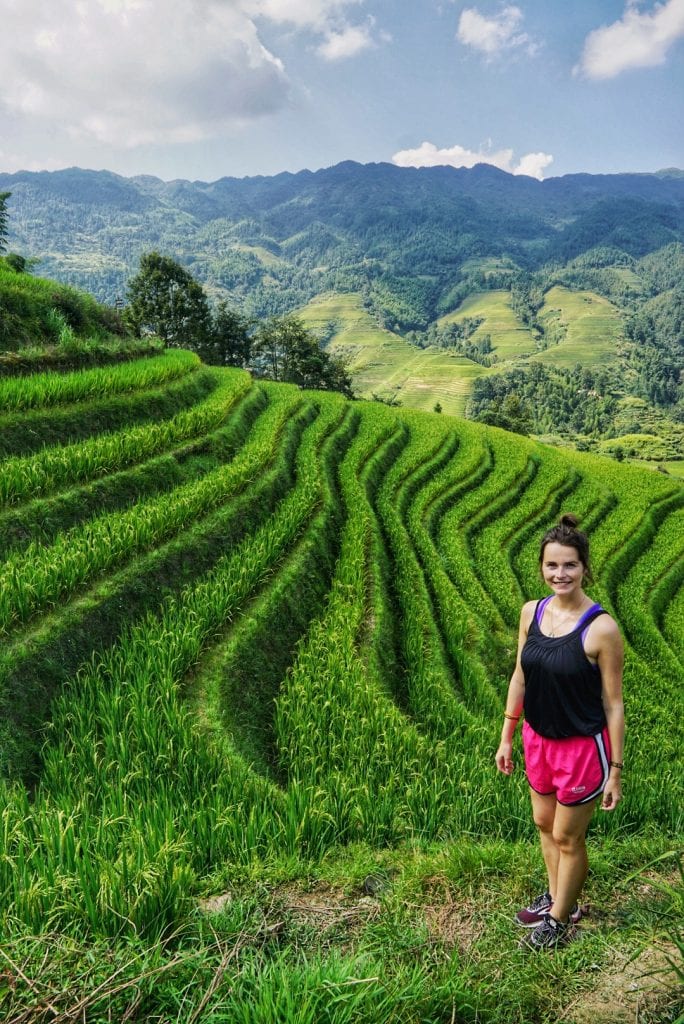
{"x": 590, "y": 611}
{"x": 541, "y": 607}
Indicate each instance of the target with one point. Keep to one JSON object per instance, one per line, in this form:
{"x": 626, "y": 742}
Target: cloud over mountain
{"x": 428, "y": 155}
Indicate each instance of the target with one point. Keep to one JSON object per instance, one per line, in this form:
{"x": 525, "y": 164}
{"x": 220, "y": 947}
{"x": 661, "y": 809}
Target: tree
{"x": 4, "y": 217}
{"x": 21, "y": 264}
{"x": 510, "y": 414}
{"x": 283, "y": 349}
{"x": 229, "y": 338}
{"x": 165, "y": 299}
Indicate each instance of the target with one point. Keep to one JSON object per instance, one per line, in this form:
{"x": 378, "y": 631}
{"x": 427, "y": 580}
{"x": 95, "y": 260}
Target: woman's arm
{"x": 611, "y": 657}
{"x": 514, "y": 700}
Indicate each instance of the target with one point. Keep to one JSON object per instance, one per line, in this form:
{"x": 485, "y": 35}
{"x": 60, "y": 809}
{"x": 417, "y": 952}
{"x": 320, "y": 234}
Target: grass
{"x": 289, "y": 705}
{"x": 34, "y": 309}
{"x": 420, "y": 935}
{"x": 675, "y": 468}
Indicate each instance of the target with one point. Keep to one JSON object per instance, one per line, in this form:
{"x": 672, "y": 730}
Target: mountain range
{"x": 267, "y": 243}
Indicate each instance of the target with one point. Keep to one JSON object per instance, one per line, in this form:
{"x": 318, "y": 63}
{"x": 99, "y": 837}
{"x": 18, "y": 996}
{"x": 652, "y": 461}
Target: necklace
{"x": 557, "y": 621}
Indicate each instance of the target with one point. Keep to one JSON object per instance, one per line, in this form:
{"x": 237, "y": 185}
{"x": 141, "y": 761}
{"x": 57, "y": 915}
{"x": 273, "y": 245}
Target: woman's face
{"x": 562, "y": 569}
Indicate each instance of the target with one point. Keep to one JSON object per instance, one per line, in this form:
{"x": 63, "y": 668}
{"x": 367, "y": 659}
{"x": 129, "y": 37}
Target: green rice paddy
{"x": 510, "y": 338}
{"x": 384, "y": 364}
{"x": 255, "y": 653}
{"x": 591, "y": 324}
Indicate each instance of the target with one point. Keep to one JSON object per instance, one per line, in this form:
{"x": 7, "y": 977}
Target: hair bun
{"x": 569, "y": 520}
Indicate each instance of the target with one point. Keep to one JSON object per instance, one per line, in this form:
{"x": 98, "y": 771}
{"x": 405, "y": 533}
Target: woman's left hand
{"x": 612, "y": 794}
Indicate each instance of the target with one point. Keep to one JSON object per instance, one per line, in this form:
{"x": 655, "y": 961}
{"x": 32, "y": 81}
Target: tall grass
{"x": 41, "y": 390}
{"x": 65, "y": 465}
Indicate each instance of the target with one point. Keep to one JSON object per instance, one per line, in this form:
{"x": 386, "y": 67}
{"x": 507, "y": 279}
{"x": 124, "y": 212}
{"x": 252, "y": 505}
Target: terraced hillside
{"x": 257, "y": 620}
{"x": 590, "y": 328}
{"x": 586, "y": 329}
{"x": 511, "y": 339}
{"x": 385, "y": 364}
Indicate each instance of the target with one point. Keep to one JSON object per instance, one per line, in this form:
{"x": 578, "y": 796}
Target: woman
{"x": 568, "y": 681}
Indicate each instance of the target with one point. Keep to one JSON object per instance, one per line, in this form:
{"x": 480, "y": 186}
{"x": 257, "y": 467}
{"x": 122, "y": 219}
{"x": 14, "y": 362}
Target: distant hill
{"x": 403, "y": 256}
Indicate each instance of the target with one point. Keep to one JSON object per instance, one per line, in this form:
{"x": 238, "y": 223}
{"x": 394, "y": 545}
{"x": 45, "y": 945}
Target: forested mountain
{"x": 271, "y": 243}
{"x": 410, "y": 245}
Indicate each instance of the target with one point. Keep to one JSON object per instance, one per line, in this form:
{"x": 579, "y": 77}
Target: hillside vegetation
{"x": 36, "y": 312}
{"x": 256, "y": 642}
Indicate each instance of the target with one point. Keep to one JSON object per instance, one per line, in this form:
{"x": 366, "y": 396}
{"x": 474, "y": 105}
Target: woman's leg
{"x": 568, "y": 837}
{"x": 544, "y": 811}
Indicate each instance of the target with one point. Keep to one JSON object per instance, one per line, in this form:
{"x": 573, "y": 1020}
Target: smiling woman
{"x": 568, "y": 681}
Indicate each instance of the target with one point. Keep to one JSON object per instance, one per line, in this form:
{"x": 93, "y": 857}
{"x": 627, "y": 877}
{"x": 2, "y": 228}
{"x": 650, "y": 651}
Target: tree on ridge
{"x": 166, "y": 300}
{"x": 4, "y": 218}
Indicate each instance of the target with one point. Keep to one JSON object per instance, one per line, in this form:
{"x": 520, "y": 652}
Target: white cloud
{"x": 347, "y": 42}
{"x": 325, "y": 18}
{"x": 638, "y": 40}
{"x": 312, "y": 14}
{"x": 533, "y": 164}
{"x": 492, "y": 36}
{"x": 428, "y": 155}
{"x": 129, "y": 72}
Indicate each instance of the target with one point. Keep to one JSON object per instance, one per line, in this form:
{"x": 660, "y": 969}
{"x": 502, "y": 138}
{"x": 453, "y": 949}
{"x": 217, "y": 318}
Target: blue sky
{"x": 200, "y": 89}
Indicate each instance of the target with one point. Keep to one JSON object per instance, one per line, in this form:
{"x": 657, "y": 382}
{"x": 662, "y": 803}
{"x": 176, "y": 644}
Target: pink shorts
{"x": 575, "y": 770}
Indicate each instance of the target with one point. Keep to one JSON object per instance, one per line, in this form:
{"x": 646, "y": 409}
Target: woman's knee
{"x": 566, "y": 841}
{"x": 543, "y": 819}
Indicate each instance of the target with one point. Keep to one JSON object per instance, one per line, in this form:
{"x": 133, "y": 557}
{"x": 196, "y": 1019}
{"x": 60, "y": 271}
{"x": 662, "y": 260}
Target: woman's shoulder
{"x": 605, "y": 625}
{"x": 603, "y": 635}
{"x": 527, "y": 612}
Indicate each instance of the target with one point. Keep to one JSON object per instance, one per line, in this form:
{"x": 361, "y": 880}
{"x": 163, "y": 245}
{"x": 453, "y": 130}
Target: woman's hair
{"x": 565, "y": 532}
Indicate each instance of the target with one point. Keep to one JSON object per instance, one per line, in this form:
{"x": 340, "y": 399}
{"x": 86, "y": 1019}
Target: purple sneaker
{"x": 534, "y": 914}
{"x": 538, "y": 911}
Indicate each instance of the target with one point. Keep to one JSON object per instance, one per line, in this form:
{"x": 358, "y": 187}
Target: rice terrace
{"x": 256, "y": 642}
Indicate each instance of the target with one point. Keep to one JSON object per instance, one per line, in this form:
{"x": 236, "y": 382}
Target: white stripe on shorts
{"x": 603, "y": 758}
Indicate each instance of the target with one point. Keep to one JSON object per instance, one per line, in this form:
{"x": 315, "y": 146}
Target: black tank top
{"x": 562, "y": 687}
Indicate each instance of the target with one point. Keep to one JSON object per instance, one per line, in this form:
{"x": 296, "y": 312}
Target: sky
{"x": 202, "y": 89}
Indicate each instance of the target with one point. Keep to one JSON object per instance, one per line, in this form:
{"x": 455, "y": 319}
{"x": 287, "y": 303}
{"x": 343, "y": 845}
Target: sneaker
{"x": 534, "y": 914}
{"x": 538, "y": 910}
{"x": 550, "y": 934}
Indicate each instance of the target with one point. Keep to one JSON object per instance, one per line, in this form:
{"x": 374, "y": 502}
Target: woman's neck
{"x": 569, "y": 602}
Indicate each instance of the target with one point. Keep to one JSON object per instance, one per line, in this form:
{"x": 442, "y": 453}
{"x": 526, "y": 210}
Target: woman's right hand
{"x": 503, "y": 758}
